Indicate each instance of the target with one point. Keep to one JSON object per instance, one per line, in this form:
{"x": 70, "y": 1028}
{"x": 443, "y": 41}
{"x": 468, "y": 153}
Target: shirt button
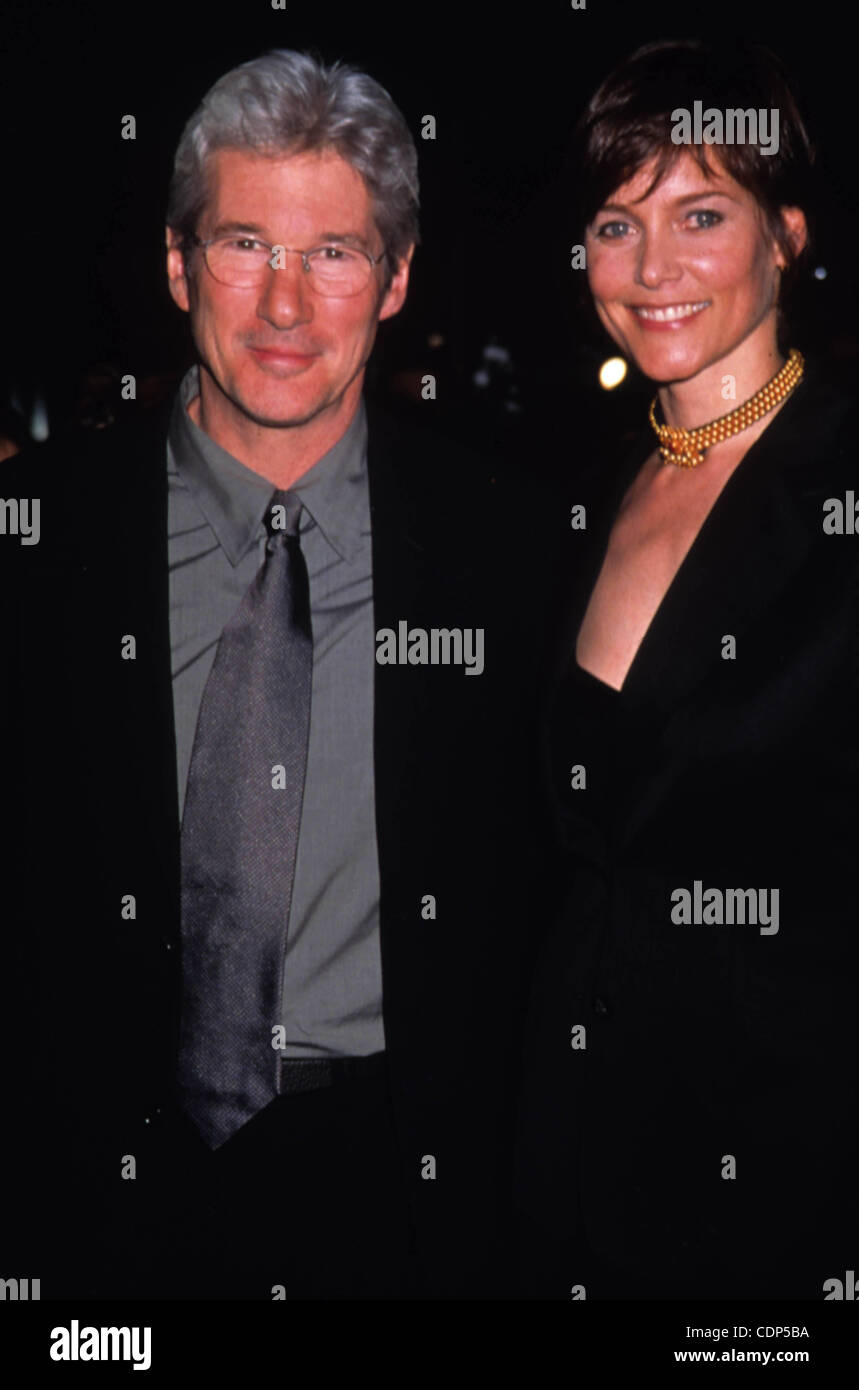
{"x": 600, "y": 1006}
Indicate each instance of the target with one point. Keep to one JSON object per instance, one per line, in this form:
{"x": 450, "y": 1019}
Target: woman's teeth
{"x": 671, "y": 311}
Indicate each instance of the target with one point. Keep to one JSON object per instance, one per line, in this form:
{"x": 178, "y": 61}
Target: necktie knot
{"x": 281, "y": 518}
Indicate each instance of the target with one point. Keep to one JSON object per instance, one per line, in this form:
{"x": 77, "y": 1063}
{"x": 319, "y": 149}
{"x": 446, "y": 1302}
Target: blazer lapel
{"x": 755, "y": 538}
{"x": 425, "y": 566}
{"x": 399, "y": 562}
{"x": 141, "y": 580}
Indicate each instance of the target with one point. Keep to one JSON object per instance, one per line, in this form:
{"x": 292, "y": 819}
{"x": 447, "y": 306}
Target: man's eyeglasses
{"x": 333, "y": 269}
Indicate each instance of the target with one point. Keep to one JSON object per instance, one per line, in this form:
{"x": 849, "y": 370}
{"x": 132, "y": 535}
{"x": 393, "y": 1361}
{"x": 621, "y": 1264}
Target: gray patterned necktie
{"x": 239, "y": 839}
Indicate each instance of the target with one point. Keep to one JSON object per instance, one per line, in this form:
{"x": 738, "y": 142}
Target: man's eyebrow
{"x": 225, "y": 228}
{"x": 352, "y": 237}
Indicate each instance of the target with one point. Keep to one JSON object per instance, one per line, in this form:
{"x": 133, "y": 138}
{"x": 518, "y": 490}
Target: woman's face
{"x": 683, "y": 277}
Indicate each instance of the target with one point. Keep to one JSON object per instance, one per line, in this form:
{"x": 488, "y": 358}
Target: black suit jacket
{"x": 93, "y": 817}
{"x": 708, "y": 1041}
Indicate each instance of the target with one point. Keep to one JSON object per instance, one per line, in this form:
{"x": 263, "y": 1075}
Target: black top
{"x": 712, "y": 1048}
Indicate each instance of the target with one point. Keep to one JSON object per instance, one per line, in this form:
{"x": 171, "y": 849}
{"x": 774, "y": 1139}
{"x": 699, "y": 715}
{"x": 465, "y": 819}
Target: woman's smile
{"x": 662, "y": 316}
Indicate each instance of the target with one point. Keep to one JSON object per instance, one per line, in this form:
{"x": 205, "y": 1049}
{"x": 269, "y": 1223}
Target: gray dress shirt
{"x": 332, "y": 995}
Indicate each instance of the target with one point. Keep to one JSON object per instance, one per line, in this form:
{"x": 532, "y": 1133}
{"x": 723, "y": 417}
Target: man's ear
{"x": 396, "y": 292}
{"x": 177, "y": 278}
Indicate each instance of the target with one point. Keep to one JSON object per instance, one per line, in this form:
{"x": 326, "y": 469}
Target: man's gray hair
{"x": 288, "y": 103}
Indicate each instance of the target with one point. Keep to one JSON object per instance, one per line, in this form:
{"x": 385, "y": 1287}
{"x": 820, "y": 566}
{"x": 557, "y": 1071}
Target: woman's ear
{"x": 796, "y": 227}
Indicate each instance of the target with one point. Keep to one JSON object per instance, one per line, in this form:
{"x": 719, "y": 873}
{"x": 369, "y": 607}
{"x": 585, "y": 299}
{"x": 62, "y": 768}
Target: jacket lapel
{"x": 402, "y": 591}
{"x": 426, "y": 565}
{"x": 142, "y": 581}
{"x": 755, "y": 538}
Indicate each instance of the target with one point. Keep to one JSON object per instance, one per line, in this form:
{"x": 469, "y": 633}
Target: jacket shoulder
{"x": 82, "y": 479}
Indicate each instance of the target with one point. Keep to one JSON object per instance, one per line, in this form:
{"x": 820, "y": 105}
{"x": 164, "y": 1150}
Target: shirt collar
{"x": 234, "y": 499}
{"x": 335, "y": 489}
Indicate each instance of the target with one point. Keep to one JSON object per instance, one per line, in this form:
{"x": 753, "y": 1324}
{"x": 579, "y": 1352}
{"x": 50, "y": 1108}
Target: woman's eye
{"x": 711, "y": 219}
{"x": 608, "y": 230}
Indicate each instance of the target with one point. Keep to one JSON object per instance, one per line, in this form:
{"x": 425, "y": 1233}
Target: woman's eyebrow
{"x": 705, "y": 193}
{"x": 697, "y": 197}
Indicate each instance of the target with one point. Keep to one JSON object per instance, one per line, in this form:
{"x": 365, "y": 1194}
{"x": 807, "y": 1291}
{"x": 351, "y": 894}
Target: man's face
{"x": 280, "y": 353}
{"x": 685, "y": 275}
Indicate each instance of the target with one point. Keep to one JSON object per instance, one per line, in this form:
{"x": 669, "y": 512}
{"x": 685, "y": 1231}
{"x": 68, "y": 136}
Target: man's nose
{"x": 285, "y": 296}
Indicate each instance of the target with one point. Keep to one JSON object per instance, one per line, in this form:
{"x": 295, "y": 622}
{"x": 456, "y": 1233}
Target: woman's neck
{"x": 723, "y": 385}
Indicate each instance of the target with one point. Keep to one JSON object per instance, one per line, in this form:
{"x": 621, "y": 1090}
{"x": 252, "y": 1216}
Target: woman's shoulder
{"x": 823, "y": 413}
{"x": 810, "y": 449}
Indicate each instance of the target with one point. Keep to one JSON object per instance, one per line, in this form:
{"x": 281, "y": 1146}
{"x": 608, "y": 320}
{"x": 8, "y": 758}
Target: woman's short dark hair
{"x": 628, "y": 122}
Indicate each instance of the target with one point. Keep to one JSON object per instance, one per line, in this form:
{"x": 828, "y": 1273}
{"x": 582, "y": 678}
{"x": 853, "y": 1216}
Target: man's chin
{"x": 276, "y": 416}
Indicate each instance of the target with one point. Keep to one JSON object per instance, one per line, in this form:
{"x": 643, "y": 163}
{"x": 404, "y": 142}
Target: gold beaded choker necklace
{"x": 686, "y": 448}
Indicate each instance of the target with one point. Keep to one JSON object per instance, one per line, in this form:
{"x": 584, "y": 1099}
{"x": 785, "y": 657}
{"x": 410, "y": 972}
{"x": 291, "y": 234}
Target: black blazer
{"x": 92, "y": 816}
{"x": 707, "y": 1041}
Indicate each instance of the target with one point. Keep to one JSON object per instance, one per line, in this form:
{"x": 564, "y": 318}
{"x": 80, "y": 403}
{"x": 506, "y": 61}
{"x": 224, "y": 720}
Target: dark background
{"x": 81, "y": 245}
